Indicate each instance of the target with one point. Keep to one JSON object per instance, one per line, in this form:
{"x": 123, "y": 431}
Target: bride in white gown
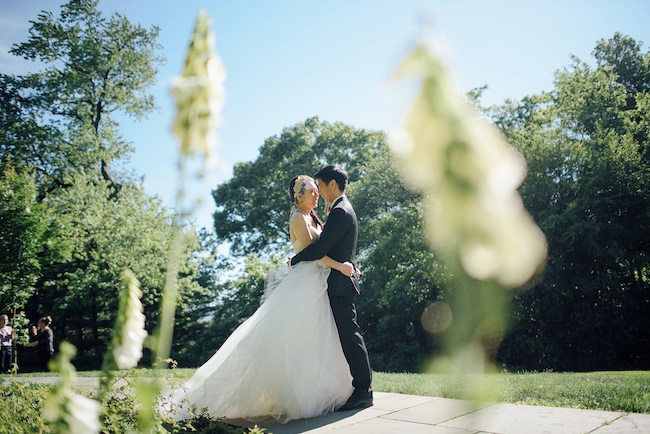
{"x": 285, "y": 361}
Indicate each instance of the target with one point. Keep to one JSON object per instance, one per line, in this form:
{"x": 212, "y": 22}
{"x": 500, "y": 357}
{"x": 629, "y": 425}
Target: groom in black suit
{"x": 339, "y": 242}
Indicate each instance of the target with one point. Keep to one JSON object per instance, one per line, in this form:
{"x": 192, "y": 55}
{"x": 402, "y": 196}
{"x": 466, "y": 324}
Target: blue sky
{"x": 288, "y": 60}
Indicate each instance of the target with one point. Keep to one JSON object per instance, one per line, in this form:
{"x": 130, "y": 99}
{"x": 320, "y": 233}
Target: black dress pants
{"x": 354, "y": 347}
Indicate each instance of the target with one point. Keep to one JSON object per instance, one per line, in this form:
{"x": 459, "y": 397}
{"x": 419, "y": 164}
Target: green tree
{"x": 62, "y": 118}
{"x": 588, "y": 189}
{"x": 401, "y": 277}
{"x": 22, "y": 228}
{"x": 104, "y": 236}
{"x": 236, "y": 299}
{"x": 253, "y": 206}
{"x": 196, "y": 332}
{"x": 60, "y": 121}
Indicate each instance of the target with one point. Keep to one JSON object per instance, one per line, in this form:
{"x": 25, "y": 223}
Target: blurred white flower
{"x": 468, "y": 175}
{"x": 128, "y": 349}
{"x": 199, "y": 93}
{"x": 75, "y": 413}
{"x": 82, "y": 414}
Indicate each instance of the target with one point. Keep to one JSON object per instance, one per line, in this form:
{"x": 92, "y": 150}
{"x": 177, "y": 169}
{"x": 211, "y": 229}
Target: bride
{"x": 285, "y": 361}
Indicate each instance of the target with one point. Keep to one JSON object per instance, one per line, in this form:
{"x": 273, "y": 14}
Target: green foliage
{"x": 400, "y": 279}
{"x": 253, "y": 206}
{"x": 120, "y": 415}
{"x": 588, "y": 188}
{"x": 103, "y": 236}
{"x": 59, "y": 122}
{"x": 21, "y": 406}
{"x": 60, "y": 119}
{"x": 194, "y": 309}
{"x": 203, "y": 424}
{"x": 22, "y": 228}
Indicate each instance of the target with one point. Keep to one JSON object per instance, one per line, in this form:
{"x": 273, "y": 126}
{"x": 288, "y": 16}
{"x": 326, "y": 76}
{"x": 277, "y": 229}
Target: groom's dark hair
{"x": 335, "y": 172}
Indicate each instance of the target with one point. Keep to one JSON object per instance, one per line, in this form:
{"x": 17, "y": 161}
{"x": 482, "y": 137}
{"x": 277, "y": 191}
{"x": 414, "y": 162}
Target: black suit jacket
{"x": 339, "y": 242}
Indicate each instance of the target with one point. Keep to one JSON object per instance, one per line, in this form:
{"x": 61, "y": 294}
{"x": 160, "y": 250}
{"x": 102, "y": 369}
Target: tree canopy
{"x": 253, "y": 206}
{"x": 588, "y": 188}
{"x": 71, "y": 224}
{"x": 60, "y": 119}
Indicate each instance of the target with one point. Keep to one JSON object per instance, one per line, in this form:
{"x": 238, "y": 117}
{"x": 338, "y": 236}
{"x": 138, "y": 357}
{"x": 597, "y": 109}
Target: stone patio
{"x": 394, "y": 413}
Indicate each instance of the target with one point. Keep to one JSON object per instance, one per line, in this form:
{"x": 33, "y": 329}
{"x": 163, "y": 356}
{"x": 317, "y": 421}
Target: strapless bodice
{"x": 297, "y": 245}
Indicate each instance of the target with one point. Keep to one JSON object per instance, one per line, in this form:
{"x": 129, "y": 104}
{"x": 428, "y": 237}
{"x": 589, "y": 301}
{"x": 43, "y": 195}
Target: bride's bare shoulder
{"x": 297, "y": 218}
{"x": 298, "y": 224}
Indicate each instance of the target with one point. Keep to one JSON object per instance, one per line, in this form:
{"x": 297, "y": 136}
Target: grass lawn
{"x": 627, "y": 391}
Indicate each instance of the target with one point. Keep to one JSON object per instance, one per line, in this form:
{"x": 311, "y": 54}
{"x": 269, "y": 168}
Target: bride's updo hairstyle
{"x": 297, "y": 187}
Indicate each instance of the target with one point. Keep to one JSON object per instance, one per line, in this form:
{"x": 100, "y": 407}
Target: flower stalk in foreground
{"x": 199, "y": 94}
{"x": 70, "y": 412}
{"x": 467, "y": 175}
{"x": 130, "y": 325}
{"x": 128, "y": 338}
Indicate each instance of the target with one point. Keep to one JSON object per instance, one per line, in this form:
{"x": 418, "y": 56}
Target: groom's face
{"x": 325, "y": 190}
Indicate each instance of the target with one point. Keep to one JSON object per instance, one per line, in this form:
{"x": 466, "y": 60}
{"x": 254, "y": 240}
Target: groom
{"x": 339, "y": 242}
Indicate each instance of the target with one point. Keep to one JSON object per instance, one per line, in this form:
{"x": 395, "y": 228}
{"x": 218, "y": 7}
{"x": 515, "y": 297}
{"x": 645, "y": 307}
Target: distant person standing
{"x": 43, "y": 339}
{"x": 7, "y": 337}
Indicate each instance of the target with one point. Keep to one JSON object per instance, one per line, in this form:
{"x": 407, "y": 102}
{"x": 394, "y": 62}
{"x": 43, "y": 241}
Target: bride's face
{"x": 310, "y": 196}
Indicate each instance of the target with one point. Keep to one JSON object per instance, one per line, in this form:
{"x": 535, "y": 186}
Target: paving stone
{"x": 627, "y": 424}
{"x": 396, "y": 402}
{"x": 386, "y": 426}
{"x": 82, "y": 382}
{"x": 328, "y": 422}
{"x": 396, "y": 414}
{"x": 436, "y": 411}
{"x": 518, "y": 419}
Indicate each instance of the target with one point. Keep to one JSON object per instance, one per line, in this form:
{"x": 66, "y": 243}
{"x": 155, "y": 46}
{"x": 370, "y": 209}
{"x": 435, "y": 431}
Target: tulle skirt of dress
{"x": 285, "y": 361}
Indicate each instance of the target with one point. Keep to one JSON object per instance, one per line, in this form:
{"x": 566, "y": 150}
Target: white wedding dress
{"x": 285, "y": 361}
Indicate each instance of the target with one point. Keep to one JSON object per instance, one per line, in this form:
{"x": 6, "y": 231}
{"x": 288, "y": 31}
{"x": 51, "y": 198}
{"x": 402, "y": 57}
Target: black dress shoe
{"x": 357, "y": 401}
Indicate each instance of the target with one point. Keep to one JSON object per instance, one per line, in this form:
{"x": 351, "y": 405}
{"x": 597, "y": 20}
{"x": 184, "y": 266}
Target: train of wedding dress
{"x": 285, "y": 361}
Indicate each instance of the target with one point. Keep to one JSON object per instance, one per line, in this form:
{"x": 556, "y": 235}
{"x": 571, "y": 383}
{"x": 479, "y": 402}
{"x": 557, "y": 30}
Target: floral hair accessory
{"x": 300, "y": 184}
